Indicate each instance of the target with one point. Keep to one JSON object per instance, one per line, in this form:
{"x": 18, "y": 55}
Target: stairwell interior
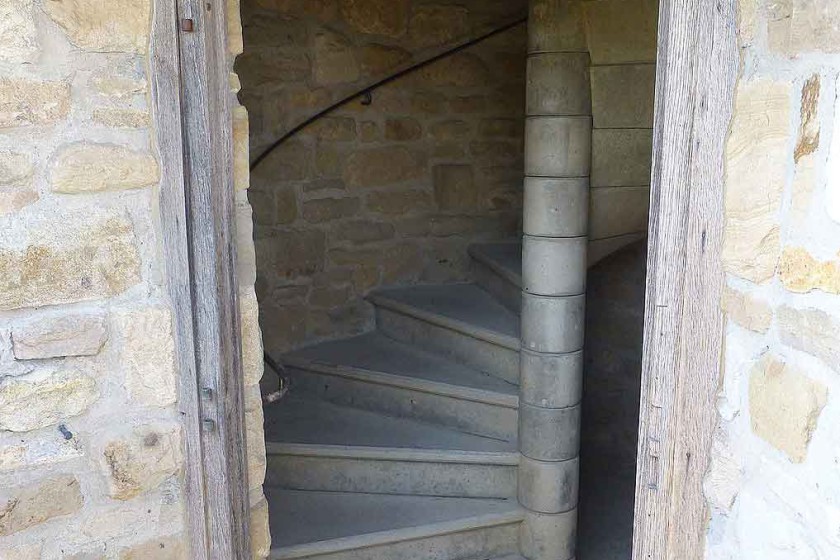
{"x": 388, "y": 233}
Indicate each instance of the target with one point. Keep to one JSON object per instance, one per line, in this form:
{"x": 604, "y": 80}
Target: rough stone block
{"x": 146, "y": 346}
{"x": 800, "y": 272}
{"x": 402, "y": 129}
{"x": 16, "y": 189}
{"x": 375, "y": 18}
{"x": 757, "y": 153}
{"x": 27, "y": 506}
{"x": 75, "y": 334}
{"x": 785, "y": 406}
{"x": 260, "y": 535}
{"x": 615, "y": 211}
{"x": 30, "y": 102}
{"x": 293, "y": 253}
{"x": 437, "y": 24}
{"x": 377, "y": 59}
{"x": 241, "y": 163}
{"x": 13, "y": 199}
{"x": 622, "y": 96}
{"x": 455, "y": 187}
{"x": 43, "y": 398}
{"x": 812, "y": 331}
{"x": 82, "y": 168}
{"x": 327, "y": 209}
{"x": 555, "y": 26}
{"x": 163, "y": 548}
{"x": 556, "y": 207}
{"x": 395, "y": 203}
{"x": 380, "y": 166}
{"x": 333, "y": 59}
{"x": 141, "y": 461}
{"x": 255, "y": 441}
{"x": 18, "y": 34}
{"x": 449, "y": 130}
{"x": 112, "y": 26}
{"x": 235, "y": 43}
{"x": 38, "y": 451}
{"x": 558, "y": 84}
{"x": 460, "y": 70}
{"x": 252, "y": 349}
{"x": 621, "y": 157}
{"x": 558, "y": 146}
{"x": 800, "y": 26}
{"x": 746, "y": 311}
{"x": 621, "y": 31}
{"x": 117, "y": 117}
{"x": 809, "y": 126}
{"x": 362, "y": 231}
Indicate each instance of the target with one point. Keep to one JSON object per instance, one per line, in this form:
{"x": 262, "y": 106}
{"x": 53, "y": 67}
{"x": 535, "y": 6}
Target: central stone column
{"x": 558, "y": 143}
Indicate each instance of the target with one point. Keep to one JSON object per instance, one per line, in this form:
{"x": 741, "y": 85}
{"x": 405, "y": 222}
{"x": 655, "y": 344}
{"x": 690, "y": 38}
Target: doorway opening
{"x": 387, "y": 227}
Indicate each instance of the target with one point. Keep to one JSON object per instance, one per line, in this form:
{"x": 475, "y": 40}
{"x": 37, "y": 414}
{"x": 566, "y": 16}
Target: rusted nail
{"x": 187, "y": 25}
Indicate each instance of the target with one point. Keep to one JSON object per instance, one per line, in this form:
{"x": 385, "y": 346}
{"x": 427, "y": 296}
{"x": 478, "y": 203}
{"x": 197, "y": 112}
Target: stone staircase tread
{"x": 504, "y": 257}
{"x": 465, "y": 308}
{"x": 310, "y": 523}
{"x": 376, "y": 358}
{"x": 295, "y": 420}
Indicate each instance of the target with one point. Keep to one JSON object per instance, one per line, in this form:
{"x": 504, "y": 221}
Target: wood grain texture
{"x": 696, "y": 71}
{"x": 193, "y": 102}
{"x": 166, "y": 100}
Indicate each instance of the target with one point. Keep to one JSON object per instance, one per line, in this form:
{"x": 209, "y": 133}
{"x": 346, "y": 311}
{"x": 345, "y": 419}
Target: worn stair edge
{"x": 412, "y": 383}
{"x": 475, "y": 251}
{"x": 462, "y": 327}
{"x": 356, "y": 542}
{"x": 394, "y": 454}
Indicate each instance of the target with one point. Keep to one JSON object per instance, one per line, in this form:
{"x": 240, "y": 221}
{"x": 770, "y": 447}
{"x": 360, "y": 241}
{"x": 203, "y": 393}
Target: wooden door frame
{"x": 696, "y": 69}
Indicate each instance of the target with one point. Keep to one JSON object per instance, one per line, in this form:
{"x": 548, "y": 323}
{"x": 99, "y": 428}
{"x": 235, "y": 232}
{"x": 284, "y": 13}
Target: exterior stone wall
{"x": 773, "y": 487}
{"x": 91, "y": 461}
{"x": 382, "y": 194}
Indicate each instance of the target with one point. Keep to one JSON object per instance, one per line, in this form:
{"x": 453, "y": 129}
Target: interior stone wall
{"x": 773, "y": 486}
{"x": 91, "y": 440}
{"x": 382, "y": 194}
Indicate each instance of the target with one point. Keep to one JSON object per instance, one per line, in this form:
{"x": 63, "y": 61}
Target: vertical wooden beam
{"x": 193, "y": 111}
{"x": 696, "y": 71}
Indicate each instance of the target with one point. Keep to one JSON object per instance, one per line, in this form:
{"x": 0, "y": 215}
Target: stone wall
{"x": 91, "y": 460}
{"x": 382, "y": 194}
{"x": 773, "y": 487}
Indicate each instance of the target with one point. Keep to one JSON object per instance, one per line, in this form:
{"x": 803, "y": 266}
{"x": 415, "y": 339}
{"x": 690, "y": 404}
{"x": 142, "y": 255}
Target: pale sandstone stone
{"x": 252, "y": 350}
{"x": 66, "y": 257}
{"x": 147, "y": 354}
{"x": 809, "y": 127}
{"x": 747, "y": 14}
{"x": 395, "y": 203}
{"x": 78, "y": 334}
{"x": 16, "y": 198}
{"x": 785, "y": 406}
{"x": 163, "y": 548}
{"x": 235, "y": 41}
{"x": 260, "y": 535}
{"x": 255, "y": 444}
{"x": 15, "y": 168}
{"x": 812, "y": 331}
{"x": 117, "y": 86}
{"x": 117, "y": 117}
{"x": 103, "y": 25}
{"x": 32, "y": 505}
{"x": 746, "y": 311}
{"x": 380, "y": 166}
{"x": 17, "y": 31}
{"x": 802, "y": 188}
{"x": 39, "y": 451}
{"x": 21, "y": 552}
{"x": 246, "y": 257}
{"x": 437, "y": 24}
{"x": 26, "y": 102}
{"x": 44, "y": 398}
{"x": 756, "y": 167}
{"x": 800, "y": 272}
{"x": 81, "y": 168}
{"x": 620, "y": 31}
{"x": 141, "y": 461}
{"x": 376, "y": 18}
{"x": 724, "y": 478}
{"x": 455, "y": 187}
{"x": 333, "y": 59}
{"x": 800, "y": 26}
{"x": 241, "y": 163}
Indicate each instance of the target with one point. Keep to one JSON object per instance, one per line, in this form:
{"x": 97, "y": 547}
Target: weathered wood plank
{"x": 696, "y": 71}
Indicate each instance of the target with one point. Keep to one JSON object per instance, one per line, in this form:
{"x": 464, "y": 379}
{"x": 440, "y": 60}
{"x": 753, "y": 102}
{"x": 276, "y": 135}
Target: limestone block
{"x": 333, "y": 129}
{"x": 327, "y": 209}
{"x": 65, "y": 257}
{"x": 293, "y": 253}
{"x": 260, "y": 535}
{"x": 21, "y": 552}
{"x": 27, "y": 506}
{"x": 380, "y": 166}
{"x": 621, "y": 31}
{"x": 453, "y": 129}
{"x": 621, "y": 157}
{"x": 77, "y": 334}
{"x": 117, "y": 86}
{"x": 333, "y": 59}
{"x": 757, "y": 153}
{"x": 549, "y": 537}
{"x": 246, "y": 258}
{"x": 747, "y": 13}
{"x": 376, "y": 18}
{"x": 44, "y": 398}
{"x": 141, "y": 460}
{"x": 402, "y": 129}
{"x": 549, "y": 434}
{"x": 558, "y": 84}
{"x": 16, "y": 189}
{"x": 241, "y": 163}
{"x": 558, "y": 146}
{"x": 30, "y": 102}
{"x": 551, "y": 380}
{"x": 555, "y": 26}
{"x": 163, "y": 548}
{"x": 746, "y": 311}
{"x": 235, "y": 43}
{"x": 252, "y": 349}
{"x": 83, "y": 167}
{"x": 809, "y": 126}
{"x": 13, "y": 199}
{"x": 785, "y": 406}
{"x": 548, "y": 487}
{"x": 622, "y": 96}
{"x": 800, "y": 272}
{"x": 455, "y": 187}
{"x": 812, "y": 331}
{"x": 460, "y": 70}
{"x": 437, "y": 24}
{"x": 104, "y": 25}
{"x": 398, "y": 202}
{"x": 378, "y": 59}
{"x": 800, "y": 26}
{"x": 42, "y": 450}
{"x": 554, "y": 266}
{"x": 146, "y": 345}
{"x": 255, "y": 443}
{"x": 117, "y": 117}
{"x": 18, "y": 34}
{"x": 552, "y": 324}
{"x": 724, "y": 478}
{"x": 615, "y": 211}
{"x": 359, "y": 232}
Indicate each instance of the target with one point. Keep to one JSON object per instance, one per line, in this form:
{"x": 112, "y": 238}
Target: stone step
{"x": 377, "y": 373}
{"x": 316, "y": 445}
{"x": 497, "y": 268}
{"x": 460, "y": 321}
{"x": 343, "y": 526}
